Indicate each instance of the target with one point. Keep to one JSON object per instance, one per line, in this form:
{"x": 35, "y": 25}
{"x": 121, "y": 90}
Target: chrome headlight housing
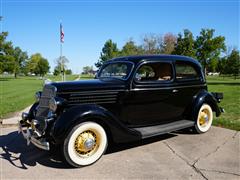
{"x": 54, "y": 103}
{"x": 38, "y": 96}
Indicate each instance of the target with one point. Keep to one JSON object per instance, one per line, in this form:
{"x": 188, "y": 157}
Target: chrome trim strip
{"x": 93, "y": 100}
{"x": 107, "y": 102}
{"x": 96, "y": 94}
{"x": 93, "y": 97}
{"x": 92, "y": 92}
{"x": 171, "y": 87}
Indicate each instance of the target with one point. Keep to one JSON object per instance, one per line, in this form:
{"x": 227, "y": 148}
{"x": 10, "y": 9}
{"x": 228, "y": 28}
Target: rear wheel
{"x": 204, "y": 119}
{"x": 85, "y": 144}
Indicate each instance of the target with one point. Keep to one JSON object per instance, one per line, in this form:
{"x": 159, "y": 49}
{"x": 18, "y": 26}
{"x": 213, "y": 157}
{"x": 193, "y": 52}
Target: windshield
{"x": 120, "y": 70}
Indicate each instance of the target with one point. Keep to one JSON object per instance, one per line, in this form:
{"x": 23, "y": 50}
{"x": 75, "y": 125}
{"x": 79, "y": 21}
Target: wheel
{"x": 204, "y": 119}
{"x": 85, "y": 144}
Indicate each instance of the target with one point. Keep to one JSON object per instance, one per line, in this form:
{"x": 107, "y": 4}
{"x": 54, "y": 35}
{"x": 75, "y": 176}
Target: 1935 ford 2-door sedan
{"x": 131, "y": 98}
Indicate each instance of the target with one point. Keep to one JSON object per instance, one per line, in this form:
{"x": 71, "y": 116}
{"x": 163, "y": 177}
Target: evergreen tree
{"x": 109, "y": 51}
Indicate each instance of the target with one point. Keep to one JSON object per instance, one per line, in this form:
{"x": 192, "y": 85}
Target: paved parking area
{"x": 213, "y": 155}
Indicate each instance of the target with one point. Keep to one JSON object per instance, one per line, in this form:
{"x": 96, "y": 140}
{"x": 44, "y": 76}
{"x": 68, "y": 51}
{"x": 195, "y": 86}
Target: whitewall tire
{"x": 204, "y": 119}
{"x": 85, "y": 144}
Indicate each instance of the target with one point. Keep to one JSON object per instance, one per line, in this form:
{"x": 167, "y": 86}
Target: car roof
{"x": 138, "y": 58}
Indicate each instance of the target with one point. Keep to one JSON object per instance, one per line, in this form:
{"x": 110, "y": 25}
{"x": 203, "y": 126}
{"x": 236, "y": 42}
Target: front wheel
{"x": 85, "y": 144}
{"x": 204, "y": 119}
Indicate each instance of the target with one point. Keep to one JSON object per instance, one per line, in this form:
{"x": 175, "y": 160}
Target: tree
{"x": 68, "y": 72}
{"x": 185, "y": 44}
{"x": 57, "y": 70}
{"x": 152, "y": 44}
{"x": 208, "y": 47}
{"x": 6, "y": 57}
{"x": 11, "y": 59}
{"x": 130, "y": 49}
{"x": 38, "y": 65}
{"x": 109, "y": 51}
{"x": 213, "y": 64}
{"x": 42, "y": 67}
{"x": 19, "y": 58}
{"x": 233, "y": 63}
{"x": 61, "y": 65}
{"x": 221, "y": 65}
{"x": 169, "y": 41}
{"x": 87, "y": 69}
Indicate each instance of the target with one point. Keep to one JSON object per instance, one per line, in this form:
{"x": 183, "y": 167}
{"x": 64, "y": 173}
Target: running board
{"x": 164, "y": 128}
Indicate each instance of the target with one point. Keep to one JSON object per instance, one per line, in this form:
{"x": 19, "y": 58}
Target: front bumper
{"x": 25, "y": 128}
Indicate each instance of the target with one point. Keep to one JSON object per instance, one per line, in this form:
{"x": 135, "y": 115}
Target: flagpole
{"x": 61, "y": 61}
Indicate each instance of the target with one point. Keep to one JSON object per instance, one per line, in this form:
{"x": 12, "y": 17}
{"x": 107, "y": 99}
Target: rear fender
{"x": 78, "y": 114}
{"x": 204, "y": 97}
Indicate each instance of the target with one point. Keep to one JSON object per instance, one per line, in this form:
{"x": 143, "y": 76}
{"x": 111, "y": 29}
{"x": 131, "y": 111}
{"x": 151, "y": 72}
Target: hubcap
{"x": 86, "y": 143}
{"x": 204, "y": 117}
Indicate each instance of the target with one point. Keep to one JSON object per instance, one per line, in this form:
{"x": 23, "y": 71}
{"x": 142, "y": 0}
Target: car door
{"x": 151, "y": 99}
{"x": 189, "y": 81}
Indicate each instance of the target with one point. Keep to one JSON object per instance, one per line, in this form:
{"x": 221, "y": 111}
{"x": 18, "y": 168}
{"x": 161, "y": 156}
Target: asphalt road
{"x": 181, "y": 155}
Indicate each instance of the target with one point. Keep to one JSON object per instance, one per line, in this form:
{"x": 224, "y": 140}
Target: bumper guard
{"x": 24, "y": 128}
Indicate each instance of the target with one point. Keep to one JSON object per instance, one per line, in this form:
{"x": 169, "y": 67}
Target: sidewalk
{"x": 14, "y": 120}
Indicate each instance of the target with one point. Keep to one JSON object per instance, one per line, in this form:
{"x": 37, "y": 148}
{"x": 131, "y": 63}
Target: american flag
{"x": 61, "y": 33}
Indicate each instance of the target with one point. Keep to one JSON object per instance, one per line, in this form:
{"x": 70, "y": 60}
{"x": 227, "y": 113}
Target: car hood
{"x": 88, "y": 85}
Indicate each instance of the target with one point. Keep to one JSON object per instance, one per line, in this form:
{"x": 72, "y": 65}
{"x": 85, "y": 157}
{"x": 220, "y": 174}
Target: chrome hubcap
{"x": 204, "y": 118}
{"x": 89, "y": 143}
{"x": 86, "y": 143}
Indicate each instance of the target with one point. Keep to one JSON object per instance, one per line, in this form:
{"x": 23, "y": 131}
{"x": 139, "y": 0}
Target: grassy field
{"x": 231, "y": 101}
{"x": 59, "y": 78}
{"x": 16, "y": 94}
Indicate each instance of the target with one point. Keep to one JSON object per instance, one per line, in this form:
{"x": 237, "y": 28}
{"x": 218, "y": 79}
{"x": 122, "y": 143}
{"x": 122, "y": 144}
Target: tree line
{"x": 14, "y": 60}
{"x": 207, "y": 48}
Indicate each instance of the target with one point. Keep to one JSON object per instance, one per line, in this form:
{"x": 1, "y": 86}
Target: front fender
{"x": 77, "y": 114}
{"x": 205, "y": 97}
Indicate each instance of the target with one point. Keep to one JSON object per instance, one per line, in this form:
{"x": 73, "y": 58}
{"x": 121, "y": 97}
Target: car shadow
{"x": 125, "y": 146}
{"x": 14, "y": 149}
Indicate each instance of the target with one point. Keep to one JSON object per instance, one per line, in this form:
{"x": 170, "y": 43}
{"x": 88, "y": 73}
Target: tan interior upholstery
{"x": 165, "y": 72}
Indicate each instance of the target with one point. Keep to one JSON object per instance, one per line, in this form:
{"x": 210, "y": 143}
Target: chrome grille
{"x": 43, "y": 109}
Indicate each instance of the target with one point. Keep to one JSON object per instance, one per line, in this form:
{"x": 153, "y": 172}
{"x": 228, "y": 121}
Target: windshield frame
{"x": 115, "y": 62}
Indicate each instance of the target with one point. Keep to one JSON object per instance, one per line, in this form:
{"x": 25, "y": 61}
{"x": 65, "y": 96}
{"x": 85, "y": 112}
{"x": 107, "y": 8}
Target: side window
{"x": 159, "y": 71}
{"x": 185, "y": 71}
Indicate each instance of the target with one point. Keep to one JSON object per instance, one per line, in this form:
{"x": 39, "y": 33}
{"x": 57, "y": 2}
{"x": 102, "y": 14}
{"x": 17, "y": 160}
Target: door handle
{"x": 175, "y": 91}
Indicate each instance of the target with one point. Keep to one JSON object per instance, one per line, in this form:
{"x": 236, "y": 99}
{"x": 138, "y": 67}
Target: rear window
{"x": 157, "y": 71}
{"x": 185, "y": 71}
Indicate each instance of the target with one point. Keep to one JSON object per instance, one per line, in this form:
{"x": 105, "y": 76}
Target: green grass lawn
{"x": 16, "y": 94}
{"x": 231, "y": 101}
{"x": 59, "y": 78}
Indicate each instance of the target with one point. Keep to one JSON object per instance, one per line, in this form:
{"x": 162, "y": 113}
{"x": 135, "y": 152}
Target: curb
{"x": 13, "y": 121}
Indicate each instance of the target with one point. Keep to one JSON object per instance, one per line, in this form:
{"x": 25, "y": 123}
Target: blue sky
{"x": 34, "y": 25}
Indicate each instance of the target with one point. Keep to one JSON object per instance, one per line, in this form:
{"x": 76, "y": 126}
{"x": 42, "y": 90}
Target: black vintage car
{"x": 131, "y": 98}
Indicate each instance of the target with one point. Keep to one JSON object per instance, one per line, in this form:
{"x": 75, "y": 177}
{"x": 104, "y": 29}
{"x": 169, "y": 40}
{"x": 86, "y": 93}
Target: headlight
{"x": 38, "y": 96}
{"x": 53, "y": 104}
